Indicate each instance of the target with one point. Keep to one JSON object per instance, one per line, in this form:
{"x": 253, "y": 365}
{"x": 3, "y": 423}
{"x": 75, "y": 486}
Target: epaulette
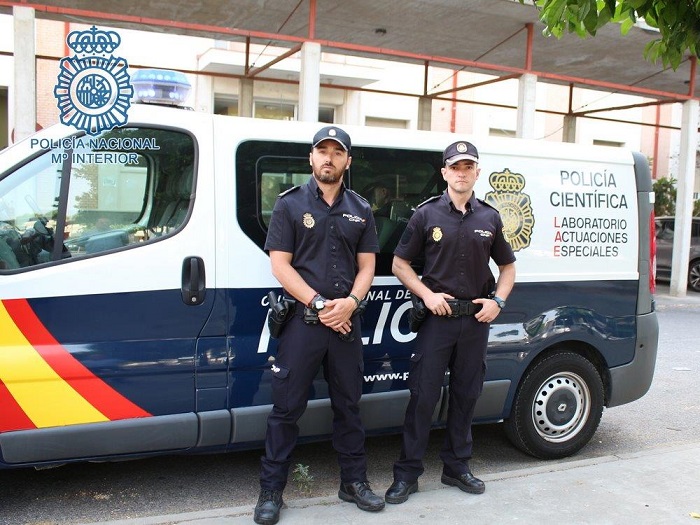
{"x": 487, "y": 204}
{"x": 360, "y": 196}
{"x": 431, "y": 199}
{"x": 286, "y": 192}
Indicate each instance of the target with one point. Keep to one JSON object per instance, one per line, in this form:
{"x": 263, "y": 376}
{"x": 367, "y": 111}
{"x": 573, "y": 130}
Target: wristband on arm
{"x": 354, "y": 298}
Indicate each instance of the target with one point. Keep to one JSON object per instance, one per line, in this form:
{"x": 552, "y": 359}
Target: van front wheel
{"x": 557, "y": 407}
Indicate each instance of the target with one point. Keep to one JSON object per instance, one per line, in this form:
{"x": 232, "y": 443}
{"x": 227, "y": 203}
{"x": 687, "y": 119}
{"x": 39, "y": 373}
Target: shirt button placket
{"x": 333, "y": 236}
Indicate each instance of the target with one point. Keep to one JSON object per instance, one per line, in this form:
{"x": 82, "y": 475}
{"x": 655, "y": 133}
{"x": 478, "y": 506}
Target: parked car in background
{"x": 664, "y": 251}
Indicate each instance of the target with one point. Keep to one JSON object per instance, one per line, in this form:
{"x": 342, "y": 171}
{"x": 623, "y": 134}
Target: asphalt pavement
{"x": 656, "y": 486}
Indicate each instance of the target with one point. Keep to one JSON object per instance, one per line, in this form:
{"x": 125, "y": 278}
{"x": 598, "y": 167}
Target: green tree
{"x": 678, "y": 22}
{"x": 665, "y": 197}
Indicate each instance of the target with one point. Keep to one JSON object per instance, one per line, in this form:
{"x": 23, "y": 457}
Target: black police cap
{"x": 332, "y": 133}
{"x": 457, "y": 151}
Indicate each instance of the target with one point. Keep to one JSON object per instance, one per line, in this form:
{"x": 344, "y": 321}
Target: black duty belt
{"x": 462, "y": 307}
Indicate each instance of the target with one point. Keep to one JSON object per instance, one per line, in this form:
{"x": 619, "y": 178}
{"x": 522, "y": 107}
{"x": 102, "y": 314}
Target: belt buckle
{"x": 456, "y": 308}
{"x": 464, "y": 308}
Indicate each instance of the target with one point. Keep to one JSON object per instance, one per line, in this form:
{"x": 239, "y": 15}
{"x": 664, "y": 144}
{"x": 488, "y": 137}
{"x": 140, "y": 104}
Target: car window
{"x": 664, "y": 230}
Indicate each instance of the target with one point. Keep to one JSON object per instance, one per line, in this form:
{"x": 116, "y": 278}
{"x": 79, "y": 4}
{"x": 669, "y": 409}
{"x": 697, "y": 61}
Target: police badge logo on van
{"x": 514, "y": 206}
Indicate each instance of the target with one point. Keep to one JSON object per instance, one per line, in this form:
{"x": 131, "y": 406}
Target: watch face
{"x": 318, "y": 305}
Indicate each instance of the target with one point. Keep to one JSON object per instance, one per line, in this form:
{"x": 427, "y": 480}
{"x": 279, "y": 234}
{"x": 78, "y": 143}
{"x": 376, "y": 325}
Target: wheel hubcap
{"x": 561, "y": 407}
{"x": 694, "y": 277}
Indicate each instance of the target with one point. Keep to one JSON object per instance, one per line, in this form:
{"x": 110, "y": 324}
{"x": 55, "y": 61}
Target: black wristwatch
{"x": 318, "y": 303}
{"x": 500, "y": 302}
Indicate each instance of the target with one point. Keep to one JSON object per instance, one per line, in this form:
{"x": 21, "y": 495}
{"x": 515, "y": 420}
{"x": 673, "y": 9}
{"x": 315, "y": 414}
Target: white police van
{"x": 133, "y": 285}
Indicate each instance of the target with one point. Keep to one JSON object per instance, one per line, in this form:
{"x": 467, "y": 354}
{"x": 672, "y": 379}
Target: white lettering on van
{"x": 385, "y": 295}
{"x": 385, "y": 317}
{"x": 394, "y": 331}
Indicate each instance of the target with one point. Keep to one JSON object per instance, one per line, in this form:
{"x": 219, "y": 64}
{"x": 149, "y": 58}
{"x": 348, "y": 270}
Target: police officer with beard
{"x": 322, "y": 242}
{"x": 457, "y": 234}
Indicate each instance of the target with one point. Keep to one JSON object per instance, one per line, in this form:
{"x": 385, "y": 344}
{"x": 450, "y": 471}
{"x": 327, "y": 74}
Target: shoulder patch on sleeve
{"x": 487, "y": 204}
{"x": 290, "y": 190}
{"x": 431, "y": 199}
{"x": 357, "y": 194}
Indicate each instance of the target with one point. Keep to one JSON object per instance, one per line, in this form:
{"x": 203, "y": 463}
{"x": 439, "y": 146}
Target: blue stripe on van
{"x": 148, "y": 345}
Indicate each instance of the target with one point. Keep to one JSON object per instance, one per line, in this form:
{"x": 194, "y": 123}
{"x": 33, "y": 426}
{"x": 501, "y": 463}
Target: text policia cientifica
{"x": 587, "y": 199}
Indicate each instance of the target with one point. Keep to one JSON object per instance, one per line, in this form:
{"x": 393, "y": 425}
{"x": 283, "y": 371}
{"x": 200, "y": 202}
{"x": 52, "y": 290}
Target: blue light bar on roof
{"x": 160, "y": 86}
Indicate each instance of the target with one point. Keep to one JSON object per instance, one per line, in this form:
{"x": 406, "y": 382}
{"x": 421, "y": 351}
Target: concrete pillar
{"x": 569, "y": 131}
{"x": 425, "y": 113}
{"x": 684, "y": 199}
{"x": 203, "y": 94}
{"x": 527, "y": 96}
{"x": 23, "y": 93}
{"x": 351, "y": 110}
{"x": 310, "y": 81}
{"x": 245, "y": 97}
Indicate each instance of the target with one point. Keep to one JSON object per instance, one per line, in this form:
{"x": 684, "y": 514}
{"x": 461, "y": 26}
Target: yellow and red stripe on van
{"x": 42, "y": 384}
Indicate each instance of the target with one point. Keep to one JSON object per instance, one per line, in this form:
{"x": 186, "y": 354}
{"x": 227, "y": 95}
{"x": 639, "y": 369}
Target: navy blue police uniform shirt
{"x": 324, "y": 240}
{"x": 456, "y": 247}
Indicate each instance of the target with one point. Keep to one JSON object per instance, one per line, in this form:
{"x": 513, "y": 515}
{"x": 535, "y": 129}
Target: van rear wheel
{"x": 557, "y": 407}
{"x": 694, "y": 276}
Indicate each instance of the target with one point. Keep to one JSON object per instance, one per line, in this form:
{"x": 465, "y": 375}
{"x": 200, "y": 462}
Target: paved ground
{"x": 657, "y": 486}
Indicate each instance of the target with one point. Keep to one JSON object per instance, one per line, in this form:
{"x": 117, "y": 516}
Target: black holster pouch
{"x": 280, "y": 313}
{"x": 350, "y": 337}
{"x": 417, "y": 314}
{"x": 310, "y": 316}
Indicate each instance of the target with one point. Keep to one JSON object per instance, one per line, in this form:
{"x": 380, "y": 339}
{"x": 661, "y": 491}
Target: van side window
{"x": 278, "y": 174}
{"x": 394, "y": 182}
{"x": 114, "y": 191}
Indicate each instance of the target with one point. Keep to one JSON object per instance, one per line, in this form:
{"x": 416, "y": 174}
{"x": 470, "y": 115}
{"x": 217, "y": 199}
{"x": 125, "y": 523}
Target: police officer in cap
{"x": 457, "y": 234}
{"x": 322, "y": 242}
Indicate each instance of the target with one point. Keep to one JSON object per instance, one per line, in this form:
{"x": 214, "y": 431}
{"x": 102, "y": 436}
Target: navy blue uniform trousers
{"x": 302, "y": 350}
{"x": 460, "y": 345}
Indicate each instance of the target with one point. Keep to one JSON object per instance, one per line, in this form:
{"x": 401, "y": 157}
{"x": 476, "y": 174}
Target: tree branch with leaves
{"x": 678, "y": 22}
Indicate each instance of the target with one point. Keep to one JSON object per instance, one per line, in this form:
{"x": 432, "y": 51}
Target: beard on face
{"x": 328, "y": 178}
{"x": 331, "y": 176}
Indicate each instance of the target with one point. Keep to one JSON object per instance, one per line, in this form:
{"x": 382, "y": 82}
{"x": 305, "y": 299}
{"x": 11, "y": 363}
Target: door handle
{"x": 193, "y": 281}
